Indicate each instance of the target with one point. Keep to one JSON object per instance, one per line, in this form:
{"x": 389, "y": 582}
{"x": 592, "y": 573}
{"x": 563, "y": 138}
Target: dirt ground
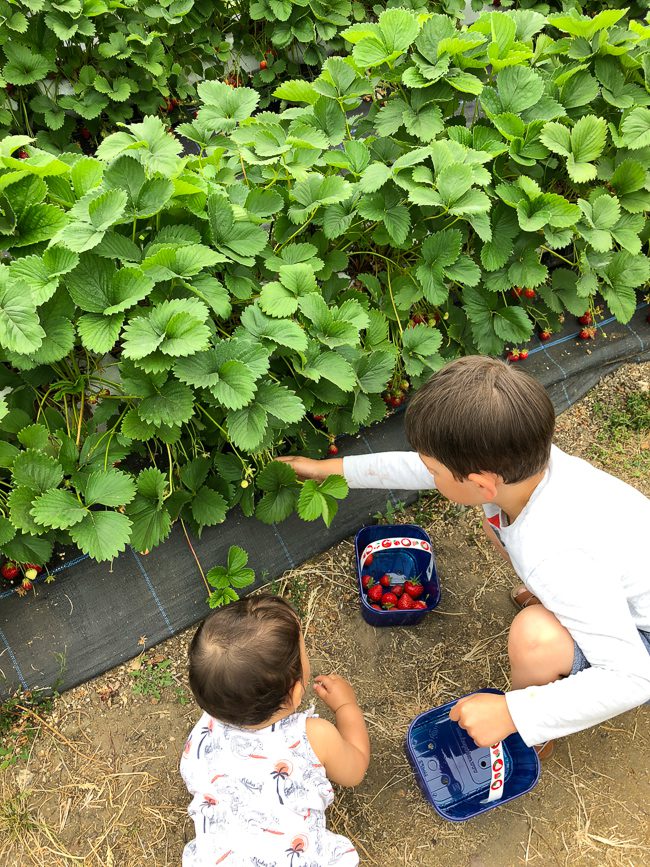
{"x": 98, "y": 783}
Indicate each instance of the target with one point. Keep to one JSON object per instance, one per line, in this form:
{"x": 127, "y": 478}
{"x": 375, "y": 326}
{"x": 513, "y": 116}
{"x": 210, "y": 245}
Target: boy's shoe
{"x": 523, "y": 598}
{"x": 545, "y": 751}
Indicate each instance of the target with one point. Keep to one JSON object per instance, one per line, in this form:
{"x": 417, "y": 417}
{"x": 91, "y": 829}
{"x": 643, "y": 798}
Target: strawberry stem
{"x": 198, "y": 562}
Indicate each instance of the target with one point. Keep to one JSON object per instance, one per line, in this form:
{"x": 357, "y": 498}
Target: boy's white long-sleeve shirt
{"x": 581, "y": 546}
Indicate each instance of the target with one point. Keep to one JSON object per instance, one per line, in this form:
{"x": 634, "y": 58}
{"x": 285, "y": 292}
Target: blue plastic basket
{"x": 455, "y": 775}
{"x": 404, "y": 552}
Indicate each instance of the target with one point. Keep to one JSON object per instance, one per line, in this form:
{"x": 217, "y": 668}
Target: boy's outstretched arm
{"x": 387, "y": 470}
{"x": 344, "y": 749}
{"x": 308, "y": 468}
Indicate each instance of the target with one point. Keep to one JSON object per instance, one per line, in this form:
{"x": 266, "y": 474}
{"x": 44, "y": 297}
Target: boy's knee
{"x": 535, "y": 632}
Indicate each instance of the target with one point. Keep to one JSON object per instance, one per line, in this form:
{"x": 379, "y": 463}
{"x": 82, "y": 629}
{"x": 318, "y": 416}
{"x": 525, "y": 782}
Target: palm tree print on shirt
{"x": 282, "y": 771}
{"x": 298, "y": 846}
{"x": 207, "y": 804}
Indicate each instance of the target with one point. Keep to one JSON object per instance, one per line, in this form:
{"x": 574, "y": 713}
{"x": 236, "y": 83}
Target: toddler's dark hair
{"x": 245, "y": 658}
{"x": 481, "y": 414}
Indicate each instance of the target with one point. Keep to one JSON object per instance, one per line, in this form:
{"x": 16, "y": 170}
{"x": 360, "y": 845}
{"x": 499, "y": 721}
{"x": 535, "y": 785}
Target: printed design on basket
{"x": 497, "y": 768}
{"x": 397, "y": 542}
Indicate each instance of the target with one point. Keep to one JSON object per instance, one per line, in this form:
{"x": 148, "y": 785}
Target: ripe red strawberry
{"x": 367, "y": 581}
{"x": 318, "y": 417}
{"x": 385, "y": 580}
{"x": 388, "y": 600}
{"x": 333, "y": 449}
{"x": 405, "y": 602}
{"x": 397, "y": 589}
{"x": 414, "y": 589}
{"x": 513, "y": 356}
{"x": 516, "y": 291}
{"x": 585, "y": 319}
{"x": 587, "y": 334}
{"x": 369, "y": 559}
{"x": 523, "y": 354}
{"x": 544, "y": 335}
{"x": 418, "y": 319}
{"x": 263, "y": 64}
{"x": 9, "y": 570}
{"x": 529, "y": 293}
{"x": 23, "y": 155}
{"x": 375, "y": 593}
{"x": 420, "y": 604}
{"x": 38, "y": 568}
{"x": 85, "y": 132}
{"x": 377, "y": 607}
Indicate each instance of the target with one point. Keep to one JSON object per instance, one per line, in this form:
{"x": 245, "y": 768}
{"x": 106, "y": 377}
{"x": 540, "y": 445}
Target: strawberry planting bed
{"x": 95, "y": 615}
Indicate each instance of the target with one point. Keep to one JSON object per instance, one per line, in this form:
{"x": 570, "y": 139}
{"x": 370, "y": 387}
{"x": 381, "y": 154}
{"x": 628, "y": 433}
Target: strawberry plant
{"x": 76, "y": 69}
{"x": 224, "y": 578}
{"x": 170, "y": 323}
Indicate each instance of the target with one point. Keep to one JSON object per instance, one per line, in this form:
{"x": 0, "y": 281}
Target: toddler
{"x": 258, "y": 769}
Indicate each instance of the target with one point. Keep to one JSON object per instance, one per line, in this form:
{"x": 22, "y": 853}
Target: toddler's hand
{"x": 334, "y": 690}
{"x": 306, "y": 468}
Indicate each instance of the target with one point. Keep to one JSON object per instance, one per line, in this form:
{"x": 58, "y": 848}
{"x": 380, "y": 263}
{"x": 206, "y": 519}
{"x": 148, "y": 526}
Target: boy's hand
{"x": 334, "y": 690}
{"x": 308, "y": 468}
{"x": 485, "y": 717}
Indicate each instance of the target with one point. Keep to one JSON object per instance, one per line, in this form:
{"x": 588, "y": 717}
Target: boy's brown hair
{"x": 480, "y": 414}
{"x": 244, "y": 660}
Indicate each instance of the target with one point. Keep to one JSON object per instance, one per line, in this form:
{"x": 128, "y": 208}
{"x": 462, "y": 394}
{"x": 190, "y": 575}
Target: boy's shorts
{"x": 580, "y": 660}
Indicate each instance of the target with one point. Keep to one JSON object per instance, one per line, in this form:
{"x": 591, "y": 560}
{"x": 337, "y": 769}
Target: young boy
{"x": 577, "y": 537}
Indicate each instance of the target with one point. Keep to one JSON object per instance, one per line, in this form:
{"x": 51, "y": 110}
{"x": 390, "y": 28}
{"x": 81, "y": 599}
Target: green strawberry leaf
{"x": 28, "y": 548}
{"x": 208, "y": 507}
{"x": 151, "y": 523}
{"x": 20, "y": 330}
{"x": 247, "y": 427}
{"x": 170, "y": 405}
{"x": 279, "y": 482}
{"x": 58, "y": 509}
{"x": 108, "y": 488}
{"x": 99, "y": 333}
{"x": 102, "y": 535}
{"x": 36, "y": 471}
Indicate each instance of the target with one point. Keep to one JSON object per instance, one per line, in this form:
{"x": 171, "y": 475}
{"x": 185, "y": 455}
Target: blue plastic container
{"x": 404, "y": 552}
{"x": 455, "y": 775}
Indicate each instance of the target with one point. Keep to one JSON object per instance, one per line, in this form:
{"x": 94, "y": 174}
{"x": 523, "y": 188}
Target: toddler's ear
{"x": 296, "y": 695}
